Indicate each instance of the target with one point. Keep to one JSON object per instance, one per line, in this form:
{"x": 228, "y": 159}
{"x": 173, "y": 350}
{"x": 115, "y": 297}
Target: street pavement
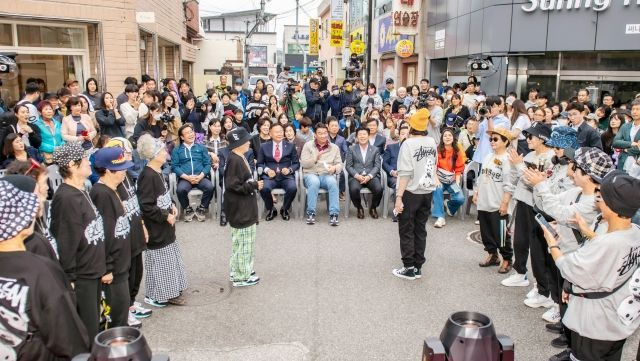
{"x": 327, "y": 293}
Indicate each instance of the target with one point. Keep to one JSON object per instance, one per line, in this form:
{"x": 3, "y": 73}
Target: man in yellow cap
{"x": 416, "y": 182}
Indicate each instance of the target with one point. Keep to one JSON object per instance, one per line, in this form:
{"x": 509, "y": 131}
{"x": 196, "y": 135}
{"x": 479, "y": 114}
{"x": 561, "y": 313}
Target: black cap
{"x": 539, "y": 130}
{"x": 620, "y": 193}
{"x": 335, "y": 87}
{"x": 389, "y": 81}
{"x": 237, "y": 137}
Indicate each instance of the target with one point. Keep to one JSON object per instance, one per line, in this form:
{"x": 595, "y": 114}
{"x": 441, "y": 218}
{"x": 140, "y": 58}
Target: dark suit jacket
{"x": 390, "y": 158}
{"x": 379, "y": 143}
{"x": 342, "y": 144}
{"x": 288, "y": 159}
{"x": 356, "y": 165}
{"x": 588, "y": 136}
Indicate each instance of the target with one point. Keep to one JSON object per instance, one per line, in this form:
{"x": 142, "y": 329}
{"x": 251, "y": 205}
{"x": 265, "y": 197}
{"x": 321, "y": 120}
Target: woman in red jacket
{"x": 451, "y": 160}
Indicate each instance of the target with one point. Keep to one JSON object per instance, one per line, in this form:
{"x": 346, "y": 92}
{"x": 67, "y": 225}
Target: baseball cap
{"x": 112, "y": 159}
{"x": 389, "y": 81}
{"x": 620, "y": 193}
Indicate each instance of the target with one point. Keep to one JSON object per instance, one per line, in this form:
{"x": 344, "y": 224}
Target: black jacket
{"x": 127, "y": 192}
{"x": 240, "y": 203}
{"x": 156, "y": 204}
{"x": 116, "y": 229}
{"x": 109, "y": 125}
{"x": 588, "y": 136}
{"x": 42, "y": 304}
{"x": 40, "y": 245}
{"x": 78, "y": 228}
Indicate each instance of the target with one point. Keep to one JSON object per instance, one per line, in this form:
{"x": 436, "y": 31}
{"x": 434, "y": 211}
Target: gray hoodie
{"x": 601, "y": 265}
{"x": 524, "y": 190}
{"x": 417, "y": 160}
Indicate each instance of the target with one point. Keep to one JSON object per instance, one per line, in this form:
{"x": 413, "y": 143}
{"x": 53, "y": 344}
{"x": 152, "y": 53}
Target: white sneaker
{"x": 440, "y": 222}
{"x": 516, "y": 280}
{"x": 539, "y": 301}
{"x": 477, "y": 222}
{"x": 533, "y": 292}
{"x": 133, "y": 321}
{"x": 552, "y": 315}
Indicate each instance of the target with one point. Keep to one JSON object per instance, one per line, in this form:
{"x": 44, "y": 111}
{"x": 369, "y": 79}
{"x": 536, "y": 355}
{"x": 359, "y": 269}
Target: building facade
{"x": 295, "y": 46}
{"x": 106, "y": 40}
{"x": 558, "y": 46}
{"x": 329, "y": 57}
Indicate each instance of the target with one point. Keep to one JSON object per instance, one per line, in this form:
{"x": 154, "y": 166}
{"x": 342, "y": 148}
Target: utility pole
{"x": 369, "y": 42}
{"x": 259, "y": 21}
{"x": 304, "y": 53}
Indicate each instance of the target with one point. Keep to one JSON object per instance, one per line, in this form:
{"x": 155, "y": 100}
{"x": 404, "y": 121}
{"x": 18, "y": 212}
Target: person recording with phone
{"x": 490, "y": 118}
{"x": 603, "y": 276}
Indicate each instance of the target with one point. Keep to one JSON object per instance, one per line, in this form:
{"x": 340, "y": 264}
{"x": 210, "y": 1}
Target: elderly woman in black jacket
{"x": 241, "y": 208}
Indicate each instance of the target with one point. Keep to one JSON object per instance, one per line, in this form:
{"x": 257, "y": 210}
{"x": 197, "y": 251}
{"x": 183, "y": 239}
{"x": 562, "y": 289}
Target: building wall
{"x": 330, "y": 57}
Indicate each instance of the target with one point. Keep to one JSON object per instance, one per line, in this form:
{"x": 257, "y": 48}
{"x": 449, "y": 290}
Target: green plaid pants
{"x": 243, "y": 252}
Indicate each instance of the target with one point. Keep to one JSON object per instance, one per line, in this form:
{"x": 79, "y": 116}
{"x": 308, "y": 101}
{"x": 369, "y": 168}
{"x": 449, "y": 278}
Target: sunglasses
{"x": 34, "y": 164}
{"x": 495, "y": 140}
{"x": 529, "y": 136}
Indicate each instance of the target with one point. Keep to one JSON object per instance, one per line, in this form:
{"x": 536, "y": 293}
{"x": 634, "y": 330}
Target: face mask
{"x": 336, "y": 92}
{"x": 157, "y": 116}
{"x": 238, "y": 87}
{"x": 348, "y": 88}
{"x": 376, "y": 118}
{"x": 449, "y": 97}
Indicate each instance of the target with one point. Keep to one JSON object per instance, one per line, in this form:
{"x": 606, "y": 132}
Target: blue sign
{"x": 386, "y": 39}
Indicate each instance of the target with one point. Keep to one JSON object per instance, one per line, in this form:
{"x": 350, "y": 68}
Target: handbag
{"x": 445, "y": 177}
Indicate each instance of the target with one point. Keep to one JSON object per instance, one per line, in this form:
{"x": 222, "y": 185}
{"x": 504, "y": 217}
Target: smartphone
{"x": 455, "y": 187}
{"x": 543, "y": 222}
{"x": 531, "y": 165}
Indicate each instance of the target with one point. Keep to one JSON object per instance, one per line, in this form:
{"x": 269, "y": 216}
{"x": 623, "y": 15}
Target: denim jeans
{"x": 313, "y": 183}
{"x": 456, "y": 200}
{"x": 636, "y": 218}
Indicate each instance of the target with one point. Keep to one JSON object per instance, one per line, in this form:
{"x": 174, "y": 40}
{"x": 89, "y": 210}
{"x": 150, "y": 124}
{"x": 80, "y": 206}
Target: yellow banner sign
{"x": 357, "y": 47}
{"x": 313, "y": 37}
{"x": 337, "y": 33}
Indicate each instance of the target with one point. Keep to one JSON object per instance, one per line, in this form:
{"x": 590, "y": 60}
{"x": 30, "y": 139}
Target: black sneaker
{"x": 311, "y": 218}
{"x": 417, "y": 272}
{"x": 560, "y": 342}
{"x": 333, "y": 220}
{"x": 555, "y": 327}
{"x": 562, "y": 356}
{"x": 201, "y": 214}
{"x": 407, "y": 273}
{"x": 189, "y": 213}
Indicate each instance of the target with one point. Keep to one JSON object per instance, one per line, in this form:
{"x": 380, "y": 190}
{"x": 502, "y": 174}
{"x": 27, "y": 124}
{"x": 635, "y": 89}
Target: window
{"x": 294, "y": 49}
{"x": 543, "y": 62}
{"x": 50, "y": 36}
{"x": 6, "y": 35}
{"x": 618, "y": 61}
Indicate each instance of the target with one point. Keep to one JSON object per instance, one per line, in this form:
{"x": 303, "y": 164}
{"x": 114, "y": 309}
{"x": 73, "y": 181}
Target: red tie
{"x": 277, "y": 153}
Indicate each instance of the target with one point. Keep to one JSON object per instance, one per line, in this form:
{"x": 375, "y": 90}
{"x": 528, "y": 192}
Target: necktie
{"x": 276, "y": 155}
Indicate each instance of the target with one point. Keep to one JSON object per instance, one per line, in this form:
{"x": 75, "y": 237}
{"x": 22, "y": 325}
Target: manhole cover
{"x": 474, "y": 236}
{"x": 202, "y": 293}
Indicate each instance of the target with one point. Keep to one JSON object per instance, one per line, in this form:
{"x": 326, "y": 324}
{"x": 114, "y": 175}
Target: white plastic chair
{"x": 365, "y": 192}
{"x": 194, "y": 194}
{"x": 54, "y": 177}
{"x": 302, "y": 193}
{"x": 279, "y": 192}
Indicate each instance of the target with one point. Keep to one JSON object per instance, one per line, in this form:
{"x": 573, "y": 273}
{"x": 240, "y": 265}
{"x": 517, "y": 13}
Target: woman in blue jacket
{"x": 49, "y": 131}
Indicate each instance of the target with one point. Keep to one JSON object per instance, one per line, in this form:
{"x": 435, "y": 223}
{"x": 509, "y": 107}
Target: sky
{"x": 285, "y": 10}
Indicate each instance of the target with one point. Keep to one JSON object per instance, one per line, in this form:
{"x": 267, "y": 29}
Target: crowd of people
{"x": 556, "y": 183}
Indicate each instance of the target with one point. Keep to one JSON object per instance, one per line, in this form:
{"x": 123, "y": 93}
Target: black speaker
{"x": 120, "y": 344}
{"x": 468, "y": 336}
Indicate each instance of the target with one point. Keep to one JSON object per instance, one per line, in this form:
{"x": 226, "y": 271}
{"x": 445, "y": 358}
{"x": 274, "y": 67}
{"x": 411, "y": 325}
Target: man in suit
{"x": 279, "y": 162}
{"x": 587, "y": 135}
{"x": 363, "y": 165}
{"x": 375, "y": 139}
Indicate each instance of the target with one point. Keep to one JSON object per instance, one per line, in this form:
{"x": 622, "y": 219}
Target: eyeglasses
{"x": 495, "y": 139}
{"x": 34, "y": 164}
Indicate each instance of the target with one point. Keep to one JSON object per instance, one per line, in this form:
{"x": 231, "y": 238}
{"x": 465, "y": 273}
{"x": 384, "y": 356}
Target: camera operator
{"x": 293, "y": 99}
{"x": 315, "y": 100}
{"x": 353, "y": 67}
{"x": 490, "y": 118}
{"x": 324, "y": 82}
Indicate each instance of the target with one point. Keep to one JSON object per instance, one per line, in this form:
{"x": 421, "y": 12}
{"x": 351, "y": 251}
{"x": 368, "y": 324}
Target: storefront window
{"x": 50, "y": 36}
{"x": 548, "y": 61}
{"x": 6, "y": 35}
{"x": 53, "y": 69}
{"x": 545, "y": 83}
{"x": 623, "y": 91}
{"x": 607, "y": 61}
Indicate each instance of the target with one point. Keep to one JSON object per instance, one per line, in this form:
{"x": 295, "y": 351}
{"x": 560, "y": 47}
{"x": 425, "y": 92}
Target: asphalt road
{"x": 327, "y": 293}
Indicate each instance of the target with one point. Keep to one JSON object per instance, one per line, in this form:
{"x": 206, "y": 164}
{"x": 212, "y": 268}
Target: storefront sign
{"x": 439, "y": 39}
{"x": 145, "y": 17}
{"x": 258, "y": 56}
{"x": 313, "y": 37}
{"x": 387, "y": 40}
{"x": 404, "y": 48}
{"x": 337, "y": 9}
{"x": 550, "y": 5}
{"x": 357, "y": 47}
{"x": 337, "y": 33}
{"x": 406, "y": 16}
{"x": 632, "y": 29}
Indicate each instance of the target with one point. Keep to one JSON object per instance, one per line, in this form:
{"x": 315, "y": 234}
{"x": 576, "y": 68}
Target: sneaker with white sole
{"x": 446, "y": 208}
{"x": 440, "y": 222}
{"x": 155, "y": 303}
{"x": 417, "y": 272}
{"x": 533, "y": 292}
{"x": 253, "y": 280}
{"x": 552, "y": 315}
{"x": 516, "y": 280}
{"x": 539, "y": 301}
{"x": 408, "y": 273}
{"x": 132, "y": 321}
{"x": 140, "y": 312}
{"x": 477, "y": 222}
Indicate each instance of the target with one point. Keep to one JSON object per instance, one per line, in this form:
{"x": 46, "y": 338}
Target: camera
{"x": 120, "y": 343}
{"x": 483, "y": 111}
